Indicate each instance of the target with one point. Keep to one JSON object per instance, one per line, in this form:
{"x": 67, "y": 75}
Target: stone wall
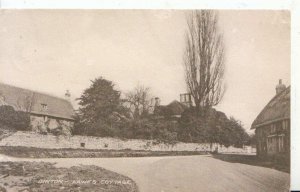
{"x": 31, "y": 139}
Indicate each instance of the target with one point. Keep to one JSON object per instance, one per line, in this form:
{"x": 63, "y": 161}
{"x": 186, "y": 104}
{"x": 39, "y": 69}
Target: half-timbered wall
{"x": 273, "y": 138}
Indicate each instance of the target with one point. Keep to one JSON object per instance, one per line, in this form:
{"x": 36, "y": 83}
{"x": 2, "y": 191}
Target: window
{"x": 44, "y": 107}
{"x": 273, "y": 128}
{"x": 281, "y": 143}
{"x": 285, "y": 124}
{"x": 272, "y": 144}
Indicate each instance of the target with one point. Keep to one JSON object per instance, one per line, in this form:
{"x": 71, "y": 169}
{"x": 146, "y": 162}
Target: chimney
{"x": 186, "y": 99}
{"x": 68, "y": 95}
{"x": 280, "y": 87}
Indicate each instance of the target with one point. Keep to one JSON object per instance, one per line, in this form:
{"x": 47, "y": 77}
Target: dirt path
{"x": 186, "y": 173}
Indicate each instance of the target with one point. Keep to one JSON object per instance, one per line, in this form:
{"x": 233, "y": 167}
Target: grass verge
{"x": 274, "y": 163}
{"x": 31, "y": 152}
{"x": 40, "y": 176}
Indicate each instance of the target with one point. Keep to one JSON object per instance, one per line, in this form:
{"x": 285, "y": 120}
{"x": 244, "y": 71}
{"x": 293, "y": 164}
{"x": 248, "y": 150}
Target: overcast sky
{"x": 54, "y": 50}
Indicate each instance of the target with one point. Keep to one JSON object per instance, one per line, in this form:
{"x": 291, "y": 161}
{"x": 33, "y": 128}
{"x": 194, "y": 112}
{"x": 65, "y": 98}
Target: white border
{"x": 292, "y": 5}
{"x": 295, "y": 95}
{"x": 146, "y": 4}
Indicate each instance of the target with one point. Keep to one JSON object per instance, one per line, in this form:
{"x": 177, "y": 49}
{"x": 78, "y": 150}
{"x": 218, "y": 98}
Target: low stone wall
{"x": 31, "y": 139}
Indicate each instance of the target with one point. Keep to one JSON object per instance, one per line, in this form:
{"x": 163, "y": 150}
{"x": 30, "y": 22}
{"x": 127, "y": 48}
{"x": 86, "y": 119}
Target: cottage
{"x": 47, "y": 113}
{"x": 272, "y": 125}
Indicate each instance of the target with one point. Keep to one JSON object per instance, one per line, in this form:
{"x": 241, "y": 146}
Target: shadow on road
{"x": 255, "y": 161}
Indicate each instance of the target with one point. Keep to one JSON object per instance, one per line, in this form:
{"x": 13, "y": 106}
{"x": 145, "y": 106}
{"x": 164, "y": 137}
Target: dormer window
{"x": 44, "y": 107}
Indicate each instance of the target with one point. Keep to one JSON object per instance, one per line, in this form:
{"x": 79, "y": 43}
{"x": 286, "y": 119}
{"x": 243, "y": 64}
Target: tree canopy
{"x": 139, "y": 101}
{"x": 215, "y": 128}
{"x": 204, "y": 59}
{"x": 98, "y": 103}
{"x": 18, "y": 120}
{"x": 102, "y": 112}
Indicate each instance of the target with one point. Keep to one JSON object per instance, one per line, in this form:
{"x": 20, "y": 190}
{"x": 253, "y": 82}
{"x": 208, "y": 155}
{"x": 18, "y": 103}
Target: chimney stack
{"x": 280, "y": 87}
{"x": 68, "y": 95}
{"x": 186, "y": 99}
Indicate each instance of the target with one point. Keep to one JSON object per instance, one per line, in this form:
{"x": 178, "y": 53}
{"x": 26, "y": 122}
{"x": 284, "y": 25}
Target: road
{"x": 185, "y": 173}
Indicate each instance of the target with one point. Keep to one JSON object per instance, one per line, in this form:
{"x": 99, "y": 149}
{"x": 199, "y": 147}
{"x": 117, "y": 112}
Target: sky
{"x": 54, "y": 50}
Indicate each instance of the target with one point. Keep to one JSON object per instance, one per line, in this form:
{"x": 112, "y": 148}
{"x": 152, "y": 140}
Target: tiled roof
{"x": 277, "y": 109}
{"x": 32, "y": 101}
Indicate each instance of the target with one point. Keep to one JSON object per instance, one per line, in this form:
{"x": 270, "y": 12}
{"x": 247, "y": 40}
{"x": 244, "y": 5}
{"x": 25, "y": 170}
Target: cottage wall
{"x": 44, "y": 124}
{"x": 273, "y": 138}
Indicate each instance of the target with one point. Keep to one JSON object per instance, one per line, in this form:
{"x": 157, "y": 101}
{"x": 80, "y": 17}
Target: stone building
{"x": 47, "y": 113}
{"x": 272, "y": 125}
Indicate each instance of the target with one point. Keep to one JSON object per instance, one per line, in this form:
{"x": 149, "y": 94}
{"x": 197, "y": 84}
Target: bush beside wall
{"x": 18, "y": 120}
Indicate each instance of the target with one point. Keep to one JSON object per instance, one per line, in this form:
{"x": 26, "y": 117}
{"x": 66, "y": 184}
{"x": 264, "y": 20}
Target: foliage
{"x": 18, "y": 120}
{"x": 79, "y": 128}
{"x": 252, "y": 139}
{"x": 151, "y": 128}
{"x": 215, "y": 128}
{"x": 139, "y": 101}
{"x": 99, "y": 100}
{"x": 102, "y": 113}
{"x": 167, "y": 131}
{"x": 97, "y": 104}
{"x": 234, "y": 134}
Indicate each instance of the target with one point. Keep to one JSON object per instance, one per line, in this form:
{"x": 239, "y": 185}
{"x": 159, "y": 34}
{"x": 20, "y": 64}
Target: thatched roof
{"x": 32, "y": 101}
{"x": 175, "y": 108}
{"x": 277, "y": 109}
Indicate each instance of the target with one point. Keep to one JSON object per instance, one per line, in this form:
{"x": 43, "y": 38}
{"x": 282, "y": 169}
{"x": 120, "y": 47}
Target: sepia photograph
{"x": 145, "y": 100}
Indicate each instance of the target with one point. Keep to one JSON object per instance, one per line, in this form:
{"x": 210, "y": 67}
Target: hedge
{"x": 18, "y": 120}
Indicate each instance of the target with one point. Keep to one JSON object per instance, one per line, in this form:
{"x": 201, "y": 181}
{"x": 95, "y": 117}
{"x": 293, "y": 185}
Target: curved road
{"x": 185, "y": 173}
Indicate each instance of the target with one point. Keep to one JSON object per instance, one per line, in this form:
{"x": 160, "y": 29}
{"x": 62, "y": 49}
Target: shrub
{"x": 18, "y": 120}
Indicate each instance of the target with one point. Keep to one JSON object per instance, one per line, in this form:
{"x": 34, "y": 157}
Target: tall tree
{"x": 204, "y": 59}
{"x": 97, "y": 104}
{"x": 139, "y": 101}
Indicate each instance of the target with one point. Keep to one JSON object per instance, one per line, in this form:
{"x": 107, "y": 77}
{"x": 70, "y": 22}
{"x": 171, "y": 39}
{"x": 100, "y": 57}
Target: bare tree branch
{"x": 139, "y": 101}
{"x": 204, "y": 59}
